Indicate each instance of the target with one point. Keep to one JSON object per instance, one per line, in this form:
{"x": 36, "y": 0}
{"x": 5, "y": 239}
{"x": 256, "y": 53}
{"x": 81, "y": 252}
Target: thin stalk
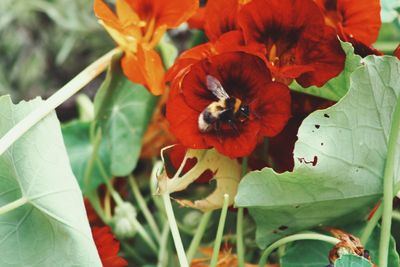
{"x": 162, "y": 255}
{"x": 371, "y": 224}
{"x": 114, "y": 194}
{"x": 13, "y": 205}
{"x": 55, "y": 100}
{"x": 143, "y": 207}
{"x": 292, "y": 238}
{"x": 174, "y": 230}
{"x": 107, "y": 205}
{"x": 201, "y": 228}
{"x": 220, "y": 232}
{"x": 388, "y": 176}
{"x": 89, "y": 167}
{"x": 95, "y": 202}
{"x": 369, "y": 228}
{"x": 132, "y": 253}
{"x": 142, "y": 232}
{"x": 239, "y": 224}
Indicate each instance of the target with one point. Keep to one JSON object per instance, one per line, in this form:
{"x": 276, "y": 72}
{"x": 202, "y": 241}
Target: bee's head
{"x": 244, "y": 112}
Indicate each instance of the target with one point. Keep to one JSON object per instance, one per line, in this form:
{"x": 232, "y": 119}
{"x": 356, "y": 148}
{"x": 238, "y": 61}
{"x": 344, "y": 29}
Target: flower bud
{"x": 124, "y": 220}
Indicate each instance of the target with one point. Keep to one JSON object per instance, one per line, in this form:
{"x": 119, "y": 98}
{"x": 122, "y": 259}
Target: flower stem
{"x": 143, "y": 207}
{"x": 162, "y": 255}
{"x": 239, "y": 224}
{"x": 55, "y": 100}
{"x": 142, "y": 232}
{"x": 296, "y": 237}
{"x": 369, "y": 228}
{"x": 89, "y": 167}
{"x": 387, "y": 201}
{"x": 13, "y": 205}
{"x": 201, "y": 228}
{"x": 174, "y": 230}
{"x": 220, "y": 232}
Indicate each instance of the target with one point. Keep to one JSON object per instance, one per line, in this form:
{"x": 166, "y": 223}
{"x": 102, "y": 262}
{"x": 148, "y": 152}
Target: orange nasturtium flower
{"x": 137, "y": 27}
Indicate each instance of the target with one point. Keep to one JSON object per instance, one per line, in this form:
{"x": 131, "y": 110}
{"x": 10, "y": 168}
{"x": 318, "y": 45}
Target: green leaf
{"x": 315, "y": 253}
{"x": 123, "y": 110}
{"x": 337, "y": 87}
{"x": 352, "y": 261}
{"x": 79, "y": 147}
{"x": 388, "y": 10}
{"x": 168, "y": 51}
{"x": 51, "y": 229}
{"x": 339, "y": 160}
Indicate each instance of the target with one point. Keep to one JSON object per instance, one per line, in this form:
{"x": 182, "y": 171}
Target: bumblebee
{"x": 226, "y": 110}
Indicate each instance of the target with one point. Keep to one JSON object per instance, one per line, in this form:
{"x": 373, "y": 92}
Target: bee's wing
{"x": 216, "y": 87}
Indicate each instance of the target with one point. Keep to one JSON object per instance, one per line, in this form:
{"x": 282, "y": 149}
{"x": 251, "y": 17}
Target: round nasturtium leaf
{"x": 339, "y": 159}
{"x": 51, "y": 227}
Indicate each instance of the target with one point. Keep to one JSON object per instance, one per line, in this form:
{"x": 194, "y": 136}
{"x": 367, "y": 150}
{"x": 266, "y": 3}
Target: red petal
{"x": 198, "y": 19}
{"x": 299, "y": 46}
{"x": 183, "y": 122}
{"x": 396, "y": 52}
{"x": 359, "y": 19}
{"x": 107, "y": 247}
{"x": 275, "y": 104}
{"x": 221, "y": 17}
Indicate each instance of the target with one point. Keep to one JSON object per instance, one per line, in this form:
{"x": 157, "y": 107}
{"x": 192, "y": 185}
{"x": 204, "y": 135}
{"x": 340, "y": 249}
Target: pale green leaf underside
{"x": 337, "y": 87}
{"x": 339, "y": 160}
{"x": 52, "y": 228}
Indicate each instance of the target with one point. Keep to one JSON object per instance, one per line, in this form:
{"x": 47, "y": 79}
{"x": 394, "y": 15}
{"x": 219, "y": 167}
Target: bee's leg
{"x": 217, "y": 128}
{"x": 234, "y": 127}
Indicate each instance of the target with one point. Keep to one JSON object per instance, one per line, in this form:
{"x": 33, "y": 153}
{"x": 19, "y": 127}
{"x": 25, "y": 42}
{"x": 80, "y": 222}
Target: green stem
{"x": 115, "y": 195}
{"x": 55, "y": 100}
{"x": 95, "y": 202}
{"x": 201, "y": 228}
{"x": 388, "y": 180}
{"x": 296, "y": 237}
{"x": 371, "y": 224}
{"x": 13, "y": 205}
{"x": 369, "y": 228}
{"x": 143, "y": 207}
{"x": 174, "y": 230}
{"x": 132, "y": 253}
{"x": 142, "y": 232}
{"x": 162, "y": 255}
{"x": 240, "y": 250}
{"x": 89, "y": 167}
{"x": 153, "y": 186}
{"x": 220, "y": 232}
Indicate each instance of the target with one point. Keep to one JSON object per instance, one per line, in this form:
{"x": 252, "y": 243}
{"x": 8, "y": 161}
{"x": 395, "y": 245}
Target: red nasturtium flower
{"x": 396, "y": 52}
{"x": 243, "y": 76}
{"x": 107, "y": 247}
{"x": 137, "y": 27}
{"x": 355, "y": 21}
{"x": 298, "y": 43}
{"x": 221, "y": 17}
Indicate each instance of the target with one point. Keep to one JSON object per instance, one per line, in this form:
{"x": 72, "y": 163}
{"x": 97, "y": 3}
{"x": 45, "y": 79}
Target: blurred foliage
{"x": 44, "y": 43}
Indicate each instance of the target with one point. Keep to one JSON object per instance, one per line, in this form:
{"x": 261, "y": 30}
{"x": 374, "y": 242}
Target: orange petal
{"x": 174, "y": 12}
{"x": 145, "y": 68}
{"x": 104, "y": 13}
{"x": 126, "y": 14}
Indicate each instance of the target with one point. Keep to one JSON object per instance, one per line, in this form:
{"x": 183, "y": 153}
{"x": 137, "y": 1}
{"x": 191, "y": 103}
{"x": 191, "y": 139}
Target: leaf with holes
{"x": 51, "y": 228}
{"x": 337, "y": 87}
{"x": 339, "y": 160}
{"x": 123, "y": 110}
{"x": 226, "y": 172}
